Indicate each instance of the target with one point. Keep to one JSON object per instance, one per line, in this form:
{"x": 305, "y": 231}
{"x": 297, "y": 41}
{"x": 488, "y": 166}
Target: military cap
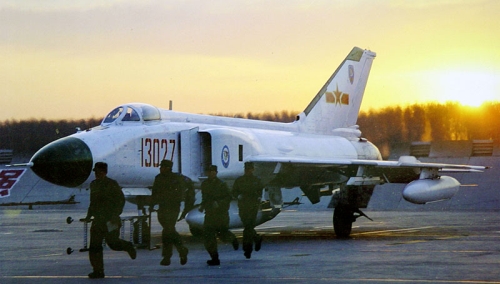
{"x": 166, "y": 164}
{"x": 248, "y": 165}
{"x": 101, "y": 166}
{"x": 212, "y": 168}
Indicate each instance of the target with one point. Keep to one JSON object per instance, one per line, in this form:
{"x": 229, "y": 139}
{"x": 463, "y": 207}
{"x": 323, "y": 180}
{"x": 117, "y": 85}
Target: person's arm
{"x": 189, "y": 197}
{"x": 201, "y": 208}
{"x": 120, "y": 199}
{"x": 89, "y": 214}
{"x": 227, "y": 197}
{"x": 154, "y": 194}
{"x": 90, "y": 209}
{"x": 236, "y": 189}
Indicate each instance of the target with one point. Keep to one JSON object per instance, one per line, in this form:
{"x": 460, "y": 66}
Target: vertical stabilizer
{"x": 337, "y": 104}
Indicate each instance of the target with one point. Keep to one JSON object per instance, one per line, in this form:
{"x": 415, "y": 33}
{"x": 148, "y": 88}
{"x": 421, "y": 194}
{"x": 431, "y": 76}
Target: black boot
{"x": 213, "y": 262}
{"x": 258, "y": 243}
{"x": 236, "y": 245}
{"x": 165, "y": 261}
{"x": 184, "y": 256}
{"x": 132, "y": 252}
{"x": 247, "y": 248}
{"x": 96, "y": 274}
{"x": 215, "y": 259}
{"x": 248, "y": 254}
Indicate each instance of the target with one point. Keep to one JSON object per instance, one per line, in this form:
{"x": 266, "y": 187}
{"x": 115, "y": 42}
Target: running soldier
{"x": 215, "y": 201}
{"x": 168, "y": 192}
{"x": 248, "y": 190}
{"x": 106, "y": 205}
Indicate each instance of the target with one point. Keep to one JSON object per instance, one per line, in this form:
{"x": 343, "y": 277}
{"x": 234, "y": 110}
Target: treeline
{"x": 28, "y": 136}
{"x": 383, "y": 127}
{"x": 431, "y": 122}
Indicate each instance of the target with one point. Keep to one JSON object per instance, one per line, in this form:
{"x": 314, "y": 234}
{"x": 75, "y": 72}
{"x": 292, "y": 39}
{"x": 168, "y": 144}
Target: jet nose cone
{"x": 66, "y": 162}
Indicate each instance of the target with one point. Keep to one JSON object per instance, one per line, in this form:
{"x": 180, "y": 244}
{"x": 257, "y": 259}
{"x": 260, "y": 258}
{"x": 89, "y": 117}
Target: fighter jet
{"x": 323, "y": 147}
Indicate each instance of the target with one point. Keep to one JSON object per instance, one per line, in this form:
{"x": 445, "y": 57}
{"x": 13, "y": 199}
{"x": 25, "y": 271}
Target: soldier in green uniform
{"x": 216, "y": 198}
{"x": 106, "y": 205}
{"x": 168, "y": 192}
{"x": 248, "y": 190}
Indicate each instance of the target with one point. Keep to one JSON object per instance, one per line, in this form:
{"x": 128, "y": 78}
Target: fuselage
{"x": 134, "y": 149}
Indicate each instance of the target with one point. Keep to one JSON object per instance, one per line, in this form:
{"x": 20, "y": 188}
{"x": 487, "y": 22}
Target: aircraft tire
{"x": 342, "y": 221}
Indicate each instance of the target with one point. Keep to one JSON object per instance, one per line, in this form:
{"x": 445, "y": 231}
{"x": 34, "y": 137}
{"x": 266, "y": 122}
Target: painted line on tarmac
{"x": 394, "y": 231}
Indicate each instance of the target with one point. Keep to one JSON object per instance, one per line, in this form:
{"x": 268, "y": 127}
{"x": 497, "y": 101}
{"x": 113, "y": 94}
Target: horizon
{"x": 262, "y": 113}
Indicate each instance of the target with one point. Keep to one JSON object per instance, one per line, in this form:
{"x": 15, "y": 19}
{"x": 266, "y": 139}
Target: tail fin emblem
{"x": 337, "y": 97}
{"x": 351, "y": 74}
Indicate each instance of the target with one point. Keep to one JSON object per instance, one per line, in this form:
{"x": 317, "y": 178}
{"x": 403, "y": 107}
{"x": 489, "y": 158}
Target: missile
{"x": 430, "y": 190}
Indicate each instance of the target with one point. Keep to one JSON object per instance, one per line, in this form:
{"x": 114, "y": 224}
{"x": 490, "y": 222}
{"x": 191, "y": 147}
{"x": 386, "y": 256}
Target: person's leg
{"x": 166, "y": 249}
{"x": 210, "y": 243}
{"x": 97, "y": 233}
{"x": 115, "y": 243}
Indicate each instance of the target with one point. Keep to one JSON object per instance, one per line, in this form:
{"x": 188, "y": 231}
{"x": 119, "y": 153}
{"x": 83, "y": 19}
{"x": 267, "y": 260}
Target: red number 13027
{"x": 154, "y": 150}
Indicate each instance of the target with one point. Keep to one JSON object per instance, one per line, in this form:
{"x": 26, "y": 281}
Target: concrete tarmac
{"x": 299, "y": 247}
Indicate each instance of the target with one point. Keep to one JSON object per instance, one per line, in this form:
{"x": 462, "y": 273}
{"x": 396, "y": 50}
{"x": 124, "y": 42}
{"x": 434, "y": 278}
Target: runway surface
{"x": 299, "y": 247}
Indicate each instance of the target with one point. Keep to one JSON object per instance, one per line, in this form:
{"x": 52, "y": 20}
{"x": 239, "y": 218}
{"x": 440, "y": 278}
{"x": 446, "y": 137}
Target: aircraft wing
{"x": 403, "y": 162}
{"x": 424, "y": 183}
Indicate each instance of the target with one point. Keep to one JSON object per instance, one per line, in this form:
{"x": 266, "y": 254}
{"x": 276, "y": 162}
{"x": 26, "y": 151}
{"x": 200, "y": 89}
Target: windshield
{"x": 113, "y": 115}
{"x": 131, "y": 115}
{"x": 133, "y": 112}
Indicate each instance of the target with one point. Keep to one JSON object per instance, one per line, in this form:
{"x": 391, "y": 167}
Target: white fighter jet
{"x": 322, "y": 148}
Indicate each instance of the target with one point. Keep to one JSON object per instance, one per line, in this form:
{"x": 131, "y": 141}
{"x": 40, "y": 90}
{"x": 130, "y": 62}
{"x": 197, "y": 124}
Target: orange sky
{"x": 80, "y": 59}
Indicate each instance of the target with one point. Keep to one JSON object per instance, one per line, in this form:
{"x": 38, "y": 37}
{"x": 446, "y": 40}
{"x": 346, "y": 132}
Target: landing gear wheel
{"x": 342, "y": 221}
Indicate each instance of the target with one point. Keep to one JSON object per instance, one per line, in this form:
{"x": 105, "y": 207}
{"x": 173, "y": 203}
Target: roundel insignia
{"x": 225, "y": 156}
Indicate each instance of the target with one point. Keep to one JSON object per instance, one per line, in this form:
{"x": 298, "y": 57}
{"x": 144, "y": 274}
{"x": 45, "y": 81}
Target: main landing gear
{"x": 343, "y": 217}
{"x": 347, "y": 202}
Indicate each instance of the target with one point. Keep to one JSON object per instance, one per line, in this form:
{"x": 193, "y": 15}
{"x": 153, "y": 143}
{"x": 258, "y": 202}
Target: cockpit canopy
{"x": 132, "y": 112}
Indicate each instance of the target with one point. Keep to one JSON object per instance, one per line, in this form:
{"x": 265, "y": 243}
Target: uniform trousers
{"x": 169, "y": 235}
{"x": 99, "y": 232}
{"x": 216, "y": 225}
{"x": 248, "y": 216}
